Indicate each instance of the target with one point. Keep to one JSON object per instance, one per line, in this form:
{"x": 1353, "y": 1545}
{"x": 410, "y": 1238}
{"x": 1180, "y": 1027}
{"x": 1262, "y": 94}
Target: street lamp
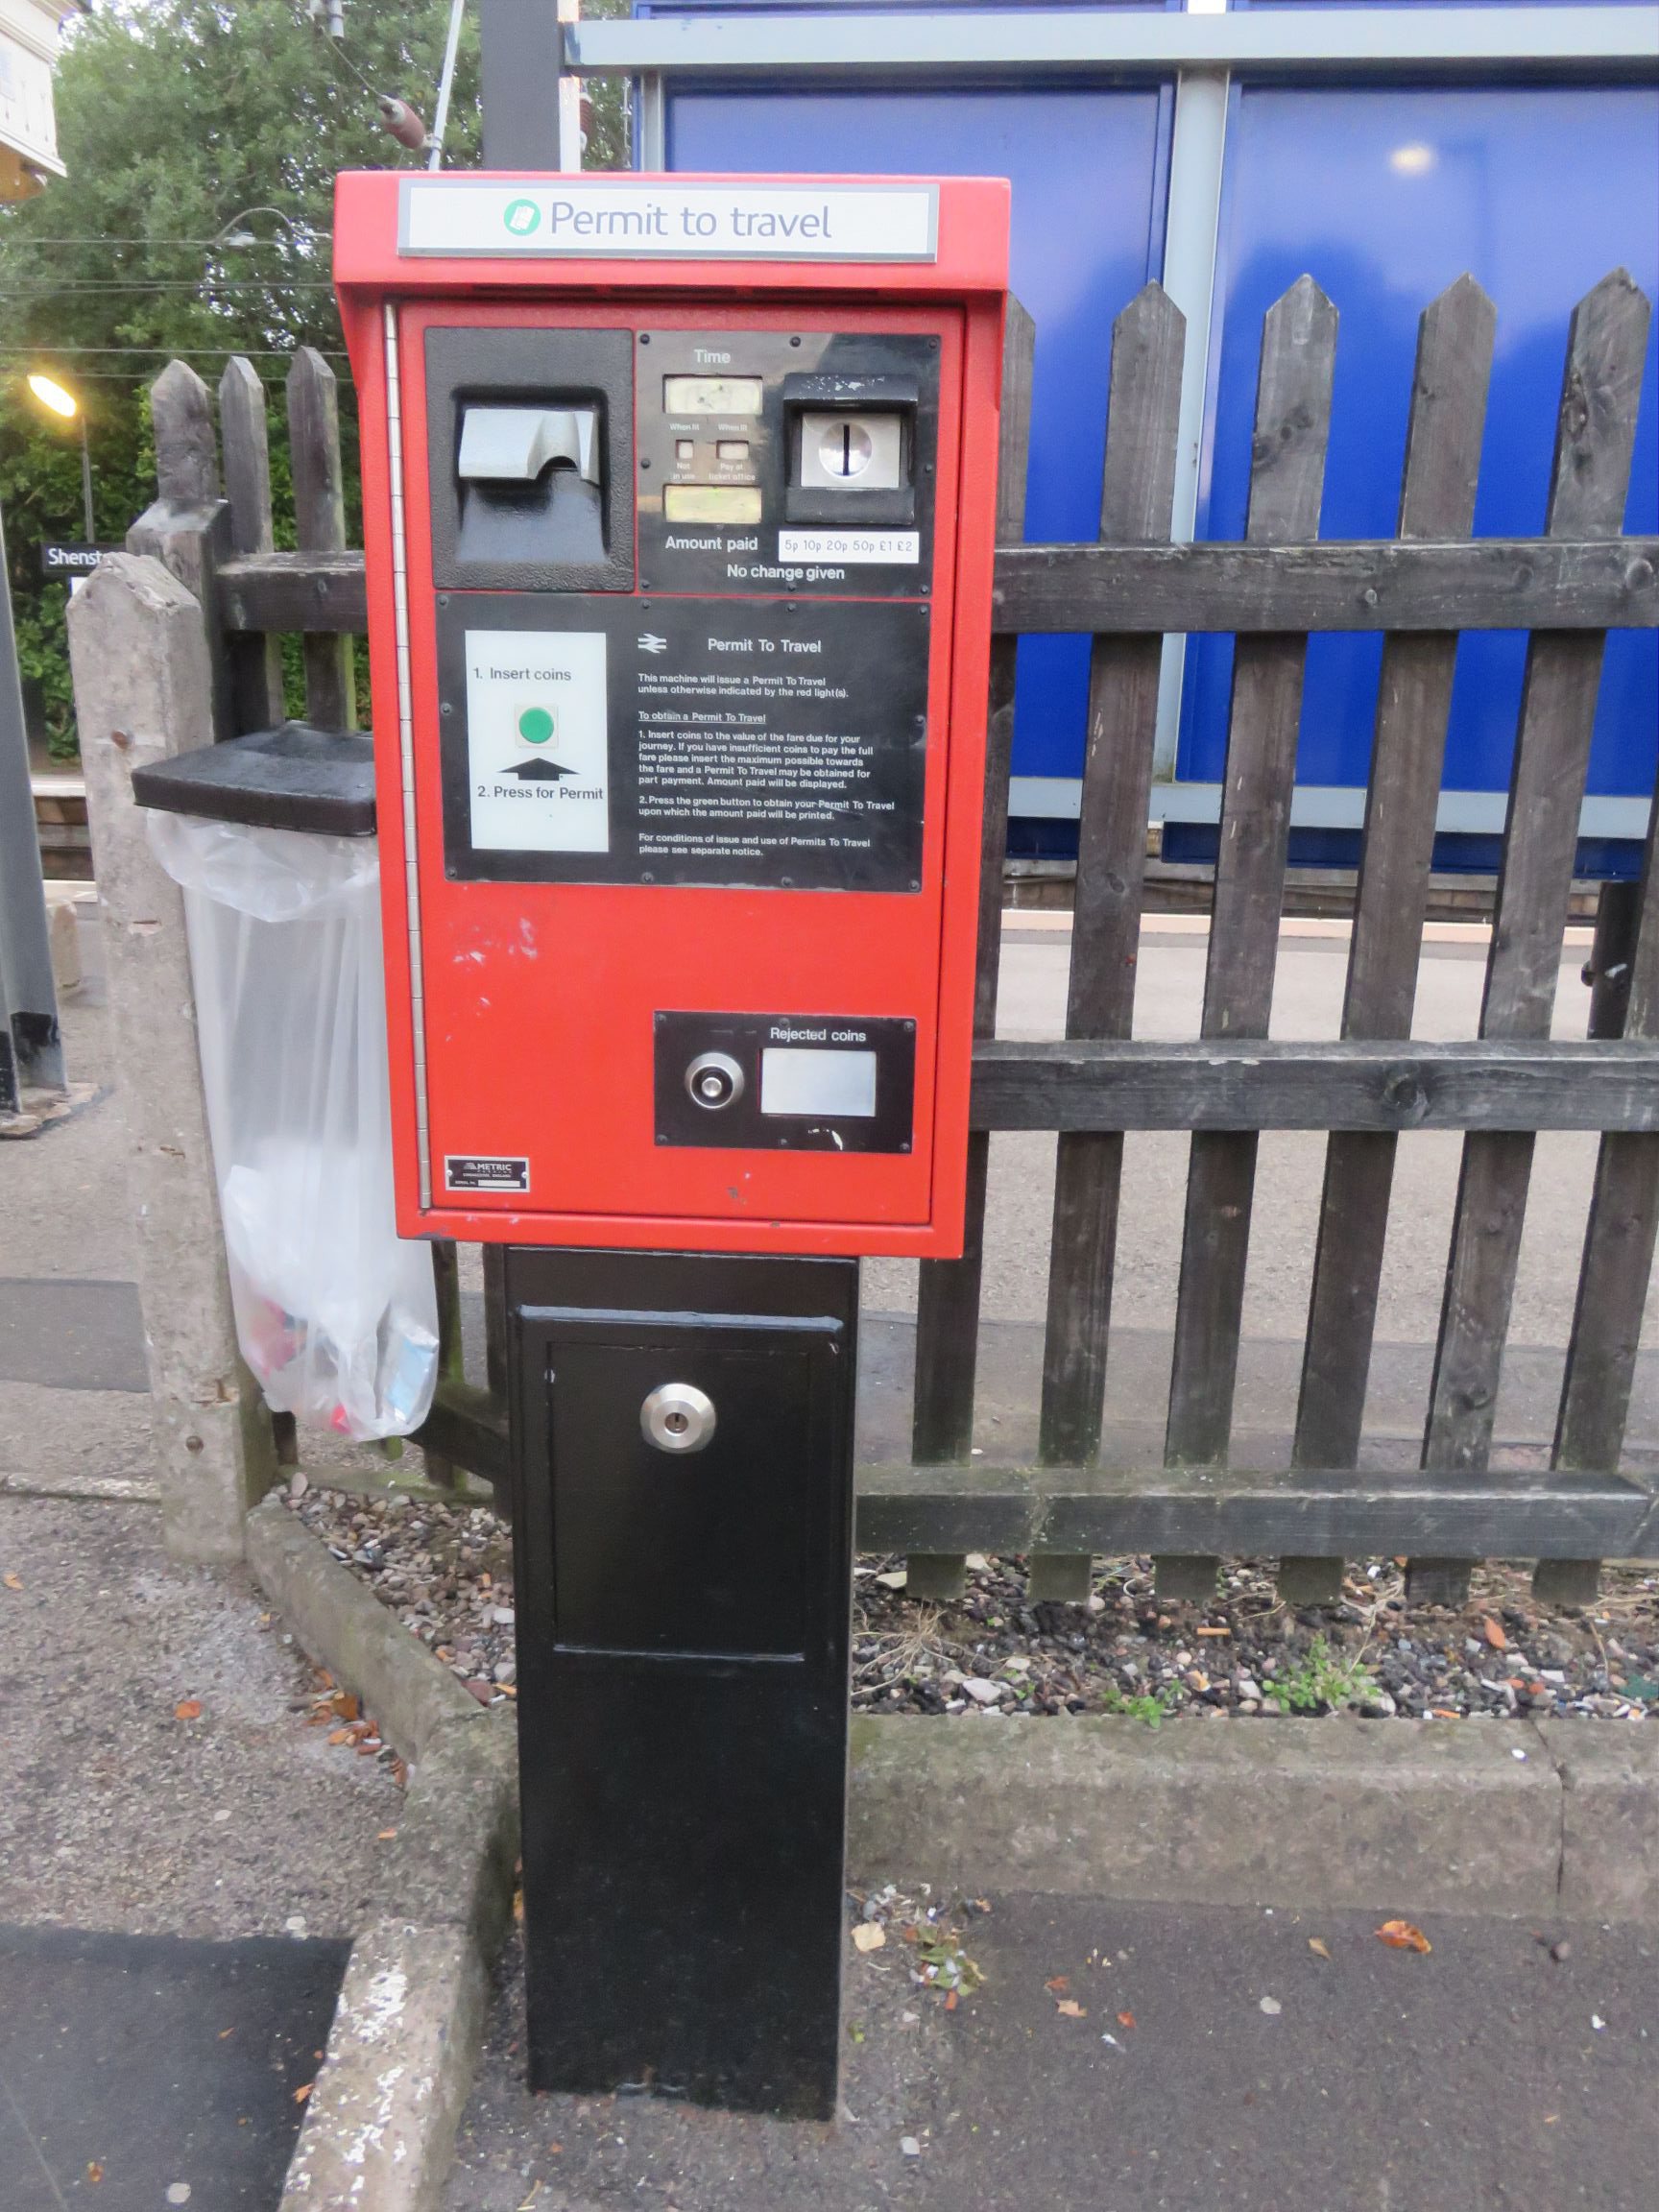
{"x": 235, "y": 233}
{"x": 58, "y": 400}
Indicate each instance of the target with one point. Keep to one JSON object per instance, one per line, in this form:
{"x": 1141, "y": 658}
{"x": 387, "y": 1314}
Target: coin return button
{"x": 714, "y": 1079}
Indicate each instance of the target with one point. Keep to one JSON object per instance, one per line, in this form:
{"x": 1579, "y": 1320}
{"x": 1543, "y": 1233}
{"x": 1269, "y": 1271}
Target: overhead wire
{"x": 276, "y": 352}
{"x": 110, "y": 238}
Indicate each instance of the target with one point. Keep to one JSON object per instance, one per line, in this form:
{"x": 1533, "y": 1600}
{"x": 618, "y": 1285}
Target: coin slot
{"x": 863, "y": 452}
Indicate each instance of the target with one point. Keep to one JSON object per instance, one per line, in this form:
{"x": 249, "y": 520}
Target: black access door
{"x": 682, "y": 1641}
{"x": 701, "y": 1549}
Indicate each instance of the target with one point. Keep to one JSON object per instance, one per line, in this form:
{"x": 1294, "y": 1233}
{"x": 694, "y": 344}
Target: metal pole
{"x": 445, "y": 85}
{"x": 31, "y": 1046}
{"x": 522, "y": 45}
{"x": 1190, "y": 243}
{"x": 86, "y": 483}
{"x": 570, "y": 95}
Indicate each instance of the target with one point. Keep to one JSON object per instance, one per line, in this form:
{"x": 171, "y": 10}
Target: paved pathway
{"x": 1477, "y": 2077}
{"x": 163, "y": 1878}
{"x": 139, "y": 2071}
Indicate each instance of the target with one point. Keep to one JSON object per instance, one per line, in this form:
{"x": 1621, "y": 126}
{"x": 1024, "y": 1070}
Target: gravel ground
{"x": 448, "y": 1571}
{"x": 170, "y": 1763}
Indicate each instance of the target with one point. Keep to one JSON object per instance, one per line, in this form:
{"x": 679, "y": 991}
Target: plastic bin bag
{"x": 336, "y": 1313}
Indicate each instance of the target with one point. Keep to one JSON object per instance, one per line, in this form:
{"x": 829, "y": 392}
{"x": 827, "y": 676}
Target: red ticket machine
{"x": 677, "y": 501}
{"x": 677, "y": 507}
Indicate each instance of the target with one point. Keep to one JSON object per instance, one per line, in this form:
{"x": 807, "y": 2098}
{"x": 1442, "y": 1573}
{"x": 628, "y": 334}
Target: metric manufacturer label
{"x": 485, "y": 1171}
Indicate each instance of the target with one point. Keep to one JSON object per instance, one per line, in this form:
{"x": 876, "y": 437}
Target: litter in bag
{"x": 336, "y": 1313}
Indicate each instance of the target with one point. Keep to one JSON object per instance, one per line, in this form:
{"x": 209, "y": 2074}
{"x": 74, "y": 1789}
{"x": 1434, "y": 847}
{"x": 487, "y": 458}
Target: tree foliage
{"x": 202, "y": 139}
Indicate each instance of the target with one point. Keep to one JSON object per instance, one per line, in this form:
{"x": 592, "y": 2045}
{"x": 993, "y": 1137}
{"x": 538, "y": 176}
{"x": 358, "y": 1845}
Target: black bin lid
{"x": 291, "y": 778}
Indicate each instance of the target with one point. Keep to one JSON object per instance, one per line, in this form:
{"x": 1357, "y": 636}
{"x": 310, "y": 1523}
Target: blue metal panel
{"x": 1279, "y": 7}
{"x": 1087, "y": 167}
{"x": 1387, "y": 196}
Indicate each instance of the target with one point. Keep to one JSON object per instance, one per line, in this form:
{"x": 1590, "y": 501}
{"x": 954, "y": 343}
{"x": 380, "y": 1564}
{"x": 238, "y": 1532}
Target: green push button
{"x": 535, "y": 726}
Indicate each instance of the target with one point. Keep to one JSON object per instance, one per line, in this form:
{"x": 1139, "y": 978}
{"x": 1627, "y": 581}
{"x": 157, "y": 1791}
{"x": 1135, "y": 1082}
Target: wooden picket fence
{"x": 1420, "y": 589}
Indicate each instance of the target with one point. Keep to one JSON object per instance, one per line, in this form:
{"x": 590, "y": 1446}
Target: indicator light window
{"x": 796, "y": 1079}
{"x": 739, "y": 503}
{"x": 711, "y": 395}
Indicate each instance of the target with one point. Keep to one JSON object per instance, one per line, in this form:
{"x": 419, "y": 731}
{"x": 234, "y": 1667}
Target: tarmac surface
{"x": 143, "y": 2071}
{"x": 183, "y": 1862}
{"x": 1489, "y": 2076}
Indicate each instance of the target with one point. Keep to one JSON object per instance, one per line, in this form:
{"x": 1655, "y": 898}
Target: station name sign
{"x": 71, "y": 558}
{"x": 660, "y": 219}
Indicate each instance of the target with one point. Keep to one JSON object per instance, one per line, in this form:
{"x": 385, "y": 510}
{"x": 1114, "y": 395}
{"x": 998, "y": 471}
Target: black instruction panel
{"x": 766, "y": 742}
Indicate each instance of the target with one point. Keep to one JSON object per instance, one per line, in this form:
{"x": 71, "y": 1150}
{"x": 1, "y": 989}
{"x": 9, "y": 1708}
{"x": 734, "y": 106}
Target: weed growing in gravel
{"x": 902, "y": 1655}
{"x": 1320, "y": 1683}
{"x": 1150, "y": 1706}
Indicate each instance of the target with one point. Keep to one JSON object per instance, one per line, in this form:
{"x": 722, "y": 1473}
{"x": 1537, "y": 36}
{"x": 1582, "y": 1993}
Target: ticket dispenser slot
{"x": 531, "y": 459}
{"x": 530, "y": 483}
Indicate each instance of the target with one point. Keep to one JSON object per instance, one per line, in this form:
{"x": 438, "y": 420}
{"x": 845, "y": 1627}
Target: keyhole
{"x": 846, "y": 449}
{"x": 676, "y": 1424}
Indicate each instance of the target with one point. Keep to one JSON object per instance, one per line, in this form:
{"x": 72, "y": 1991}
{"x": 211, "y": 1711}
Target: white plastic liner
{"x": 336, "y": 1313}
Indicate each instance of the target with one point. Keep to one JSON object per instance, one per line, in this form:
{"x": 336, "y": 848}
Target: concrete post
{"x": 143, "y": 688}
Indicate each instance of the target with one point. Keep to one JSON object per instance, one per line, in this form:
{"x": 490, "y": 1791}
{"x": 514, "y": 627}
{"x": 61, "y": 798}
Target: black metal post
{"x": 31, "y": 1045}
{"x": 1608, "y": 969}
{"x": 683, "y": 1534}
{"x": 91, "y": 520}
{"x": 522, "y": 46}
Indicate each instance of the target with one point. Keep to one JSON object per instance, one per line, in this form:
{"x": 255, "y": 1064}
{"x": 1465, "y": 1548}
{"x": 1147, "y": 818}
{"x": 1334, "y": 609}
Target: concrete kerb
{"x": 1424, "y": 1814}
{"x": 347, "y": 1630}
{"x": 1412, "y": 1815}
{"x": 380, "y": 2123}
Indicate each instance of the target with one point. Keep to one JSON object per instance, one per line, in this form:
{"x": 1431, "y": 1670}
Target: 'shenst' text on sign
{"x": 662, "y": 220}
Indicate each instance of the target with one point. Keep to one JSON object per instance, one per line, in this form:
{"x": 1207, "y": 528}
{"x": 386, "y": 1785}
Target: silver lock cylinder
{"x": 677, "y": 1417}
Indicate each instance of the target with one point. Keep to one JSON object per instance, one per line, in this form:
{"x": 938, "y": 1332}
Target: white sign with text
{"x": 661, "y": 219}
{"x": 892, "y": 547}
{"x": 537, "y": 748}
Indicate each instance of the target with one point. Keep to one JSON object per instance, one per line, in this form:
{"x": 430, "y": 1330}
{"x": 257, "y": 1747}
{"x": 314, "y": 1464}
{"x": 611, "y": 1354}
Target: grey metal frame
{"x": 1326, "y": 806}
{"x": 1298, "y": 42}
{"x": 1192, "y": 242}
